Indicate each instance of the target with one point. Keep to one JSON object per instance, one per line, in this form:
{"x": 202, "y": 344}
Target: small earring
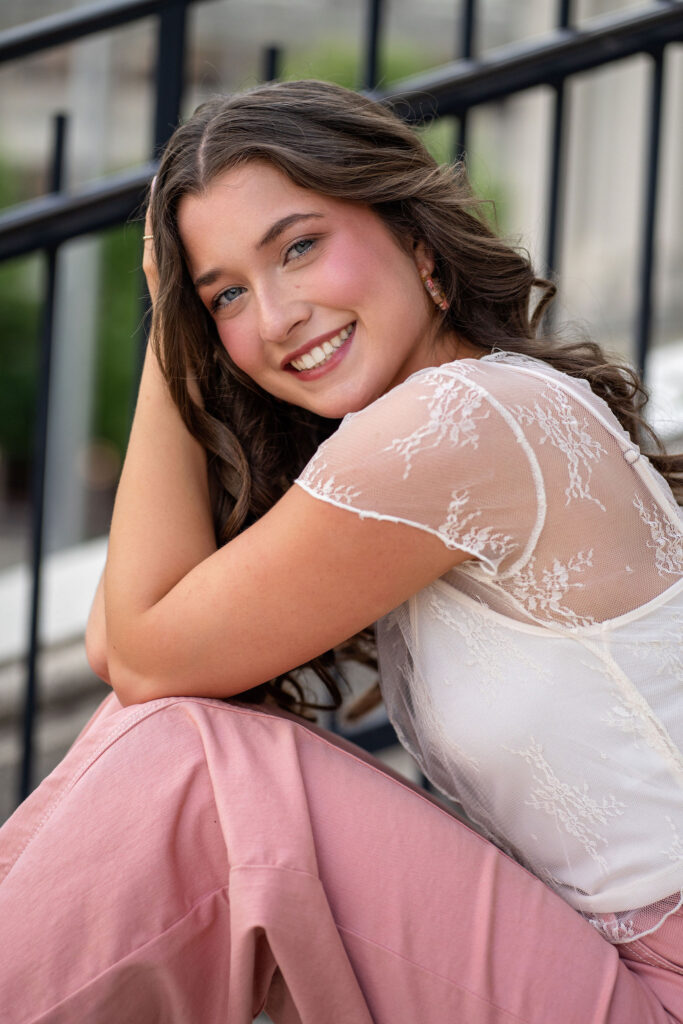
{"x": 435, "y": 292}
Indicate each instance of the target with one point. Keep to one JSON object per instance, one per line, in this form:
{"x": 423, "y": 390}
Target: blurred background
{"x": 584, "y": 168}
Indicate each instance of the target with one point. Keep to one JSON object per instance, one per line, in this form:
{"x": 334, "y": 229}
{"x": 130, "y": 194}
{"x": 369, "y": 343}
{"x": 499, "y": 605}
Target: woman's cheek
{"x": 239, "y": 347}
{"x": 344, "y": 279}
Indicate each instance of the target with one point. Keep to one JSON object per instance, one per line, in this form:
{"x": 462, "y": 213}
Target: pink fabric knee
{"x": 193, "y": 860}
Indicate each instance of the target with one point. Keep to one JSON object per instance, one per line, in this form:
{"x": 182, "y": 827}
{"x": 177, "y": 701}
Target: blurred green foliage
{"x": 120, "y": 310}
{"x": 120, "y": 313}
{"x": 340, "y": 61}
{"x": 19, "y": 315}
{"x": 19, "y": 326}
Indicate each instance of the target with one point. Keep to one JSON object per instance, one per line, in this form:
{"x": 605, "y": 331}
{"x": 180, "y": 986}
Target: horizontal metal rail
{"x": 451, "y": 89}
{"x": 456, "y": 87}
{"x": 57, "y": 217}
{"x": 57, "y": 29}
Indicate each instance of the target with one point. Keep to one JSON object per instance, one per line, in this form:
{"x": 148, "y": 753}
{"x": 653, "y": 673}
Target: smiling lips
{"x": 320, "y": 354}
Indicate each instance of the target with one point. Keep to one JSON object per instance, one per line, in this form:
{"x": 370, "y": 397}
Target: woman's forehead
{"x": 255, "y": 182}
{"x": 245, "y": 210}
{"x": 246, "y": 204}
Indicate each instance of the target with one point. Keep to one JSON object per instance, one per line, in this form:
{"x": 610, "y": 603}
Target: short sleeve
{"x": 440, "y": 453}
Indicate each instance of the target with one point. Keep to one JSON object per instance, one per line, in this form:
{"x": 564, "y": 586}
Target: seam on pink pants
{"x": 426, "y": 970}
{"x": 82, "y": 769}
{"x": 133, "y": 952}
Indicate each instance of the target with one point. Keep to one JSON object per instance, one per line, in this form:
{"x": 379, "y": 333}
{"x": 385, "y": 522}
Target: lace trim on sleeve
{"x": 446, "y": 413}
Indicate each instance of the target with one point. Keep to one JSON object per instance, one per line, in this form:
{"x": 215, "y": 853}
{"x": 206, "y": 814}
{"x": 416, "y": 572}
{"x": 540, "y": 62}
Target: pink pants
{"x": 194, "y": 861}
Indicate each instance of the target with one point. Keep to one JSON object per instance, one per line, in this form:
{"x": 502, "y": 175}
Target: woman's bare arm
{"x": 303, "y": 578}
{"x": 162, "y": 457}
{"x": 96, "y": 628}
{"x": 96, "y": 635}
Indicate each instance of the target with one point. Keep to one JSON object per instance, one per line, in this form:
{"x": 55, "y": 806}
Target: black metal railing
{"x": 44, "y": 224}
{"x": 40, "y": 225}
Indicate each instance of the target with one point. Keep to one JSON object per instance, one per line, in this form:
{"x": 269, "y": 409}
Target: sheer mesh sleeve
{"x": 438, "y": 453}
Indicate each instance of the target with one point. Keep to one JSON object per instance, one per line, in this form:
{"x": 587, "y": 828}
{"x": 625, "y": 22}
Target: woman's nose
{"x": 280, "y": 312}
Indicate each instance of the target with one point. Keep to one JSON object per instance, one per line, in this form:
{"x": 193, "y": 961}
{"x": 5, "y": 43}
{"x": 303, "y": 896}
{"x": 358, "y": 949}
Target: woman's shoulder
{"x": 525, "y": 384}
{"x": 499, "y": 379}
{"x": 435, "y": 452}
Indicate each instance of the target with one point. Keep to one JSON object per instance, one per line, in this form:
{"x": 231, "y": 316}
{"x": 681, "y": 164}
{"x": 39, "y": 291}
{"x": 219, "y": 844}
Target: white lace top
{"x": 540, "y": 685}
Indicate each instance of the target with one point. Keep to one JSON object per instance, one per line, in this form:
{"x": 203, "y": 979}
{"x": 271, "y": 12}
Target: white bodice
{"x": 540, "y": 684}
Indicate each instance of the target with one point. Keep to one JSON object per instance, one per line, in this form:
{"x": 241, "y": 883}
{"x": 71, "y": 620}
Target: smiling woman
{"x": 350, "y": 425}
{"x": 282, "y": 285}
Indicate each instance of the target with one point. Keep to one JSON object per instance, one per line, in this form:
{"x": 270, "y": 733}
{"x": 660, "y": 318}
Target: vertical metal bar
{"x": 39, "y": 468}
{"x": 464, "y": 50}
{"x": 170, "y": 82}
{"x": 556, "y": 184}
{"x": 646, "y": 270}
{"x": 271, "y": 64}
{"x": 170, "y": 70}
{"x": 564, "y": 13}
{"x": 373, "y": 29}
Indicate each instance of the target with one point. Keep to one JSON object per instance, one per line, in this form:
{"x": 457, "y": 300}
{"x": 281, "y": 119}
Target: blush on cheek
{"x": 347, "y": 275}
{"x": 238, "y": 349}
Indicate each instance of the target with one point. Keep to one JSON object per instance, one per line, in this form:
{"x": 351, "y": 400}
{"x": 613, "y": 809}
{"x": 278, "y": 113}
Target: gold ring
{"x": 145, "y": 238}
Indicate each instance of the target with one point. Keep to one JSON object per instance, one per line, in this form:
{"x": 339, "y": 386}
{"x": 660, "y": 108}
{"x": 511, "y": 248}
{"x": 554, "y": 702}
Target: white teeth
{"x": 321, "y": 353}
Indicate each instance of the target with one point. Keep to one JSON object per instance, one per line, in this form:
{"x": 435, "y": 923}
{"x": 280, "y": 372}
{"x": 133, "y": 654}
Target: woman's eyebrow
{"x": 273, "y": 232}
{"x": 281, "y": 225}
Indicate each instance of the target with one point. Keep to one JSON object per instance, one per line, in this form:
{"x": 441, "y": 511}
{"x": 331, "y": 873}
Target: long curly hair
{"x": 346, "y": 146}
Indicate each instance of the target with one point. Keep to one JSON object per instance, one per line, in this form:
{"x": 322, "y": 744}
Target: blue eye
{"x": 226, "y": 298}
{"x": 300, "y": 248}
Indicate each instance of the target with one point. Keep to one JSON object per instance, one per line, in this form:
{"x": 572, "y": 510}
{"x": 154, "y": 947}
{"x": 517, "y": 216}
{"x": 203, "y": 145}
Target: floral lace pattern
{"x": 669, "y": 654}
{"x": 459, "y": 531}
{"x": 451, "y": 407}
{"x": 665, "y": 651}
{"x": 675, "y": 851}
{"x": 542, "y": 594}
{"x": 613, "y": 929}
{"x": 489, "y": 651}
{"x": 315, "y": 477}
{"x": 666, "y": 539}
{"x": 572, "y": 807}
{"x": 630, "y": 713}
{"x": 559, "y": 423}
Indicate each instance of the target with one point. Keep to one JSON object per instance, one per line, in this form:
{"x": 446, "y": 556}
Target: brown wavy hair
{"x": 346, "y": 146}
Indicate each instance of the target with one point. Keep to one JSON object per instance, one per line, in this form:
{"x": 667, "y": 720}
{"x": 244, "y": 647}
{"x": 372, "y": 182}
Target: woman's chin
{"x": 336, "y": 406}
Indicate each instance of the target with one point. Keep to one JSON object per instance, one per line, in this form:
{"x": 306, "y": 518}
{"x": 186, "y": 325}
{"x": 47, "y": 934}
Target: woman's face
{"x": 312, "y": 297}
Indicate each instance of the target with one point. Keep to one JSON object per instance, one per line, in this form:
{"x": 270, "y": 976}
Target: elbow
{"x": 129, "y": 661}
{"x": 96, "y": 654}
{"x": 131, "y": 688}
{"x": 131, "y": 685}
{"x": 126, "y": 696}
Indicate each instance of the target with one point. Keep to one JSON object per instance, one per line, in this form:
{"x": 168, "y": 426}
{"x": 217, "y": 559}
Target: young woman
{"x": 485, "y": 502}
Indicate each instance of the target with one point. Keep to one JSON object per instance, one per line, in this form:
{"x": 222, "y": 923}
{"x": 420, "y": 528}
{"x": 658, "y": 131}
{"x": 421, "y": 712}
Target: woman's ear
{"x": 424, "y": 260}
